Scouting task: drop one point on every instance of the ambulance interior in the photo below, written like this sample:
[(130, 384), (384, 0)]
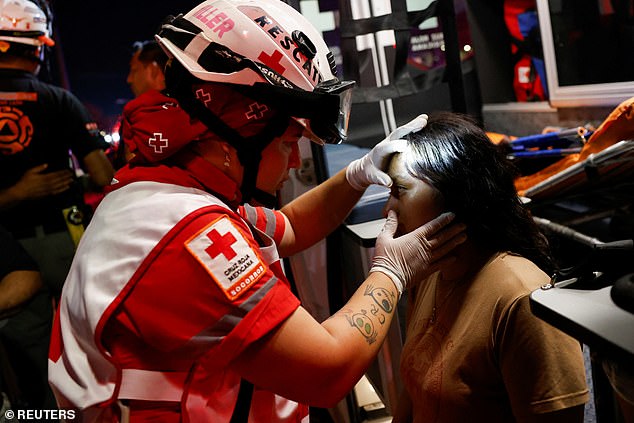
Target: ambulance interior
[(461, 56)]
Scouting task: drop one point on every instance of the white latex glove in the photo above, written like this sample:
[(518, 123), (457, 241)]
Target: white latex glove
[(416, 255), (370, 169)]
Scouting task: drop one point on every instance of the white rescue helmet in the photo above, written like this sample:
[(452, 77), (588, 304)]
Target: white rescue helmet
[(267, 48), (24, 22)]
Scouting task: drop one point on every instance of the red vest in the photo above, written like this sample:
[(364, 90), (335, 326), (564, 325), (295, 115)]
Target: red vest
[(167, 287)]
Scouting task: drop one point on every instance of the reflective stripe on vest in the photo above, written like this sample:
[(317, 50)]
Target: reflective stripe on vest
[(152, 386)]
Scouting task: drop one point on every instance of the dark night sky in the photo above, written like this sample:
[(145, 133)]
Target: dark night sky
[(95, 38)]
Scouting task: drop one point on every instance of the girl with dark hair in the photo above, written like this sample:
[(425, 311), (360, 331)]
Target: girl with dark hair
[(474, 351)]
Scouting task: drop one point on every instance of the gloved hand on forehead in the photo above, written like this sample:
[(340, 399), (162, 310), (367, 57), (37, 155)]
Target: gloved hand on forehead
[(370, 169)]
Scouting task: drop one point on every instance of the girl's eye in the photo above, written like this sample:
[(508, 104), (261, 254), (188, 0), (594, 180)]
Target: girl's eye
[(397, 190)]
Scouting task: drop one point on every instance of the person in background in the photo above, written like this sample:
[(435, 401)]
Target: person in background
[(473, 349), (147, 67), (176, 307), (25, 326), (41, 200)]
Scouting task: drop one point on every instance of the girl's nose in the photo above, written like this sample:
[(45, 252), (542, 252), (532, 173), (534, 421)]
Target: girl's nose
[(389, 205)]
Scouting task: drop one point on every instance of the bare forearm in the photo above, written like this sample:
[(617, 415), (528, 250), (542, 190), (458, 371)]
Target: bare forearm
[(16, 289), (361, 326), (319, 364), (8, 198), (318, 212), (99, 168)]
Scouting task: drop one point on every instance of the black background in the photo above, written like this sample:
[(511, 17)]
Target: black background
[(93, 50)]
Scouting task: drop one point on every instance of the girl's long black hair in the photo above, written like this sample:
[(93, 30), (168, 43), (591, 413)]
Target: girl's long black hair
[(453, 154)]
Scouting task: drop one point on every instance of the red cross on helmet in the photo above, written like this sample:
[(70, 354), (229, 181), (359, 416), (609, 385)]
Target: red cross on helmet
[(24, 22), (271, 52)]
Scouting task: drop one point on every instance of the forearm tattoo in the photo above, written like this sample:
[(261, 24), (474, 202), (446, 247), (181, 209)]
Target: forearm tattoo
[(366, 321), (384, 298)]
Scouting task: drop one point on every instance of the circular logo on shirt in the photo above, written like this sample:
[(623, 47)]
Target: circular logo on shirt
[(16, 130)]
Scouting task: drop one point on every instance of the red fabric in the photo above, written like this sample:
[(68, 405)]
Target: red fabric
[(280, 227), (240, 112), (175, 315), (269, 221), (197, 306), (56, 346), (193, 172), (92, 199), (527, 83), (155, 127), (512, 8)]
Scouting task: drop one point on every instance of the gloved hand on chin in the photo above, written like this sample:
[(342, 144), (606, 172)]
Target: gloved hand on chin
[(370, 169), (411, 257)]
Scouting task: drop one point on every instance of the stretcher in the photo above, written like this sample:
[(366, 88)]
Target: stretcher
[(552, 140), (607, 153), (591, 316), (593, 300), (584, 203), (612, 165), (590, 192)]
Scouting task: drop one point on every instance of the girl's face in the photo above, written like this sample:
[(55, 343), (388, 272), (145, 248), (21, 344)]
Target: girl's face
[(414, 201)]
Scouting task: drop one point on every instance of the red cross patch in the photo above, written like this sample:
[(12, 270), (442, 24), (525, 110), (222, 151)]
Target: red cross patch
[(256, 111), (203, 96), (158, 142), (221, 249)]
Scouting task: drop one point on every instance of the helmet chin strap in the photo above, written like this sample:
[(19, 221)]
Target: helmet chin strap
[(250, 155), (249, 149), (265, 199)]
